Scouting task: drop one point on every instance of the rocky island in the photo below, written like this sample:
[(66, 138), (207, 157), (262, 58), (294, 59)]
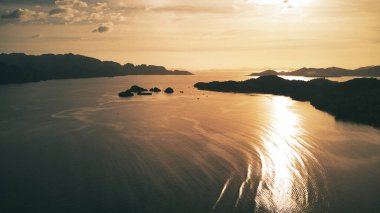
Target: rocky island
[(356, 100)]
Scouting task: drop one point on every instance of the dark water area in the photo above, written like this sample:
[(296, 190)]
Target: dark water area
[(75, 146)]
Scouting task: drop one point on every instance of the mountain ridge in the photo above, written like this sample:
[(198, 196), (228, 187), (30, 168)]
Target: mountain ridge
[(369, 71), (22, 68)]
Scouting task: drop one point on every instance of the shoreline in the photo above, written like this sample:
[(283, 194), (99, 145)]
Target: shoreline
[(355, 100)]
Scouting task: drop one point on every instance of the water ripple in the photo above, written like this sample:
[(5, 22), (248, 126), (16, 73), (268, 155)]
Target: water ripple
[(286, 182)]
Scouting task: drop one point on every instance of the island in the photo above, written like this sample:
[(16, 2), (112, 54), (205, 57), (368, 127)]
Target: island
[(22, 68), (356, 100), (125, 94), (369, 71), (137, 89)]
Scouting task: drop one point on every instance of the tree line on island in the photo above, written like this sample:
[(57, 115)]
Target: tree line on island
[(21, 68), (356, 100)]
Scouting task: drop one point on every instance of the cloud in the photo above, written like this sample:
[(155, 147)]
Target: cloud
[(76, 11), (15, 14), (23, 15), (104, 28), (102, 11), (69, 11), (71, 3), (57, 11), (64, 15), (100, 5), (35, 36)]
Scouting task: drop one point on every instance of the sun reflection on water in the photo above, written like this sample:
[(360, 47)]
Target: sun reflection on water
[(284, 177)]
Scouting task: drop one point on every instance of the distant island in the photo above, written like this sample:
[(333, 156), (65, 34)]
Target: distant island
[(370, 71), (21, 68), (357, 100)]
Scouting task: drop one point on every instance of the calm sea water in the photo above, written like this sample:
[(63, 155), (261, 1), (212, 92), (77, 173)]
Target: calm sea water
[(75, 146)]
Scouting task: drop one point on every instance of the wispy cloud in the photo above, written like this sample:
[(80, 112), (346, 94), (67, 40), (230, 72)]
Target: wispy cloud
[(35, 36)]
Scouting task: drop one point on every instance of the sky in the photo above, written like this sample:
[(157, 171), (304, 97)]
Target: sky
[(198, 34)]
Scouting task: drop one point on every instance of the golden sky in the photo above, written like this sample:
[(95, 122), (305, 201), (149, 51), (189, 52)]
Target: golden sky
[(198, 34)]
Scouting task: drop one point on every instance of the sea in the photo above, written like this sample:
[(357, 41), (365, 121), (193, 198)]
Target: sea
[(75, 146)]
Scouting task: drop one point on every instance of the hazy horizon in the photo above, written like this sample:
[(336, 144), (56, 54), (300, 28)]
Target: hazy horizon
[(198, 35)]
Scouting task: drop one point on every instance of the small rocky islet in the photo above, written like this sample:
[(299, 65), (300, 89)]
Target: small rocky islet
[(155, 89), (142, 91), (169, 90)]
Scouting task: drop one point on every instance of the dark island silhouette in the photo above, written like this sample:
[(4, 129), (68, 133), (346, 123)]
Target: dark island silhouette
[(22, 68), (125, 94), (370, 71), (155, 89), (357, 100)]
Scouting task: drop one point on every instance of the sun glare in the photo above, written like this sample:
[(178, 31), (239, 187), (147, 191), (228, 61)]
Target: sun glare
[(280, 3), (284, 178)]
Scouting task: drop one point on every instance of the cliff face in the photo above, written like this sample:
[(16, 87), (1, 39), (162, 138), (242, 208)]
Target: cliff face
[(355, 100), (19, 68)]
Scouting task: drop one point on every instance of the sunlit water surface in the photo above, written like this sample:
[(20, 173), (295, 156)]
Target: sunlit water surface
[(75, 146)]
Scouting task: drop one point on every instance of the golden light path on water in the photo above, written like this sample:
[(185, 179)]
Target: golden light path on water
[(285, 184), (281, 173)]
